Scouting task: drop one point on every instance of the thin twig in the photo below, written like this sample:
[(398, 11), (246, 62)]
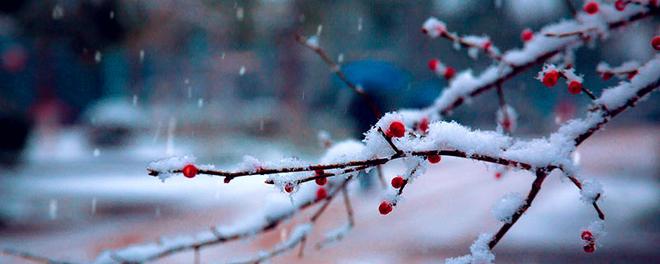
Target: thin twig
[(389, 141), (337, 70), (347, 205), (541, 174), (601, 214)]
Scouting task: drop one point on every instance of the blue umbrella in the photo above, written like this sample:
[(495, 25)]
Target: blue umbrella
[(373, 76)]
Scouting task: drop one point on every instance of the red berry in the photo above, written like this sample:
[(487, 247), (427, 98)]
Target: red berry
[(575, 87), (321, 194), (590, 247), (397, 182), (655, 42), (498, 175), (14, 59), (506, 124), (607, 75), (527, 35), (632, 74), (587, 236), (487, 45), (620, 5), (385, 207), (424, 125), (449, 72), (591, 8), (321, 181), (396, 129), (433, 64), (550, 78), (434, 158), (189, 171), (288, 187)]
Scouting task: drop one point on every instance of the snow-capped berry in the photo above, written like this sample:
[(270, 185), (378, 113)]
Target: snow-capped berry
[(424, 125), (434, 158), (587, 235), (434, 27), (321, 194), (397, 182), (189, 171), (550, 78), (434, 64), (575, 87), (620, 5), (591, 7), (396, 129), (589, 247), (526, 35), (288, 187), (449, 73), (385, 207), (321, 181), (655, 42)]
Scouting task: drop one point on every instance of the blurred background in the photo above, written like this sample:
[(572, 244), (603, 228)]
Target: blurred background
[(92, 90)]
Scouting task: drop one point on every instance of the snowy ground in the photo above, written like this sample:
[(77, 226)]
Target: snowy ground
[(72, 209)]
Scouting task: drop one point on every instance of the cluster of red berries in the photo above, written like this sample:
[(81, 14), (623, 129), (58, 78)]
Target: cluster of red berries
[(396, 129), (590, 243), (190, 171), (448, 72), (551, 77), (592, 7)]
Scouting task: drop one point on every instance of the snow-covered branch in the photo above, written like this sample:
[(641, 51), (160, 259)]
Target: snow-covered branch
[(540, 155), (419, 138), (535, 51)]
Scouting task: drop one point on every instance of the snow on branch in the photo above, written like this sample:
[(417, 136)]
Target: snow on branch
[(537, 50)]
